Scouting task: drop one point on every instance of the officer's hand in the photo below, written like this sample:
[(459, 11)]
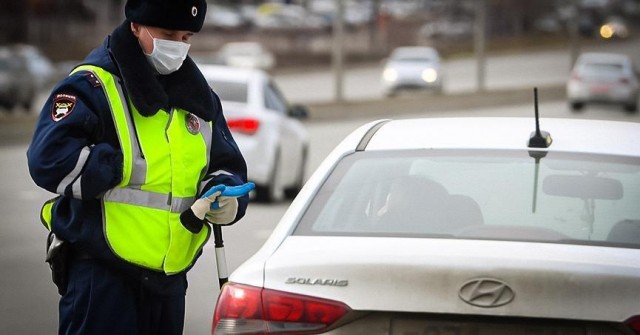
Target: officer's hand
[(193, 218), (201, 206), (223, 211), (226, 211)]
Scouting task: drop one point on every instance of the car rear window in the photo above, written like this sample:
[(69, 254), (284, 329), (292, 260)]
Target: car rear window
[(610, 69), (496, 195), (229, 90)]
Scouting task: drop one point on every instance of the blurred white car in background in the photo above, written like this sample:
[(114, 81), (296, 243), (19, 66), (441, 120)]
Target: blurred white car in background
[(40, 66), (24, 72), (274, 16), (246, 54), (454, 226), (603, 78), (412, 67), (267, 129), (225, 18), (16, 84)]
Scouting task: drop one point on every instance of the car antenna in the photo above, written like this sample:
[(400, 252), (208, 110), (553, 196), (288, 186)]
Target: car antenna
[(537, 139)]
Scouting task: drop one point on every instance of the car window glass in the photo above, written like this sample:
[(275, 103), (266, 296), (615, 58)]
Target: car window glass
[(602, 68), (578, 199), (230, 91), (13, 64), (274, 100), (39, 64), (414, 56), (5, 64), (413, 59)]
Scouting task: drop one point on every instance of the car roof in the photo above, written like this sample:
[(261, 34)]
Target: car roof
[(243, 45), (415, 50), (230, 73), (603, 57), (569, 135)]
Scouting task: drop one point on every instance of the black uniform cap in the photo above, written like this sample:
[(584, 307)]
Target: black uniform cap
[(168, 14)]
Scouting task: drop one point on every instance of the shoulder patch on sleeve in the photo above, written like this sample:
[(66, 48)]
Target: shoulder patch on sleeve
[(63, 105)]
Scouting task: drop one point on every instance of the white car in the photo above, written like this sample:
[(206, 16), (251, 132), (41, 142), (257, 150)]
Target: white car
[(454, 226), (246, 54), (268, 130), (224, 18), (412, 67), (603, 78), (24, 72)]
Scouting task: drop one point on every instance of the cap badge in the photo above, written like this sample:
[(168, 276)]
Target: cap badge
[(194, 11), (193, 124), (63, 105)]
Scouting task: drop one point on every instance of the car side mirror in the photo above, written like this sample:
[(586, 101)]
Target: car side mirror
[(298, 111)]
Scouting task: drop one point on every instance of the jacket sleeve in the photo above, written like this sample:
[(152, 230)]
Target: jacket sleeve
[(227, 165), (66, 155)]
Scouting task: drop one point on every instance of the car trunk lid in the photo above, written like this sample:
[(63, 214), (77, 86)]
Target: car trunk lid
[(473, 277)]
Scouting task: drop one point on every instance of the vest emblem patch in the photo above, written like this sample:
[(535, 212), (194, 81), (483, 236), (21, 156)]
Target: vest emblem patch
[(193, 124), (63, 105)]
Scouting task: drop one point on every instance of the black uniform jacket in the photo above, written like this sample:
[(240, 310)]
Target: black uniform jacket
[(77, 116)]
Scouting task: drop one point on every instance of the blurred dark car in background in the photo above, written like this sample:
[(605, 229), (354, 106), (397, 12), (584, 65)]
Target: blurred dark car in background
[(603, 78)]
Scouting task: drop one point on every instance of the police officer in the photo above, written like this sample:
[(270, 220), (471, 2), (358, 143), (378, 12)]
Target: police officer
[(128, 141)]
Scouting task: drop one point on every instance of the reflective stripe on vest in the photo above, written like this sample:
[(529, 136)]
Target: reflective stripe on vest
[(164, 158)]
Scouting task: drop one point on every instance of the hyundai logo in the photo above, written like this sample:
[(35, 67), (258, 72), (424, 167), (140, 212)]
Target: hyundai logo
[(486, 292)]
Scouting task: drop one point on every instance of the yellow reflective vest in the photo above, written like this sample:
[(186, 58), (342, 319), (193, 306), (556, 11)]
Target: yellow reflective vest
[(165, 157)]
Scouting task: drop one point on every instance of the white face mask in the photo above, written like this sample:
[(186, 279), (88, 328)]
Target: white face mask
[(167, 56)]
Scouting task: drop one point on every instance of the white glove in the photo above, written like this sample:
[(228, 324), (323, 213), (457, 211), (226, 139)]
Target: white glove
[(225, 213), (201, 206)]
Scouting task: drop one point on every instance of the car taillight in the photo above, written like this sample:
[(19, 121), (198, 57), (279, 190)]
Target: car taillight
[(246, 125), (243, 309), (634, 324)]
